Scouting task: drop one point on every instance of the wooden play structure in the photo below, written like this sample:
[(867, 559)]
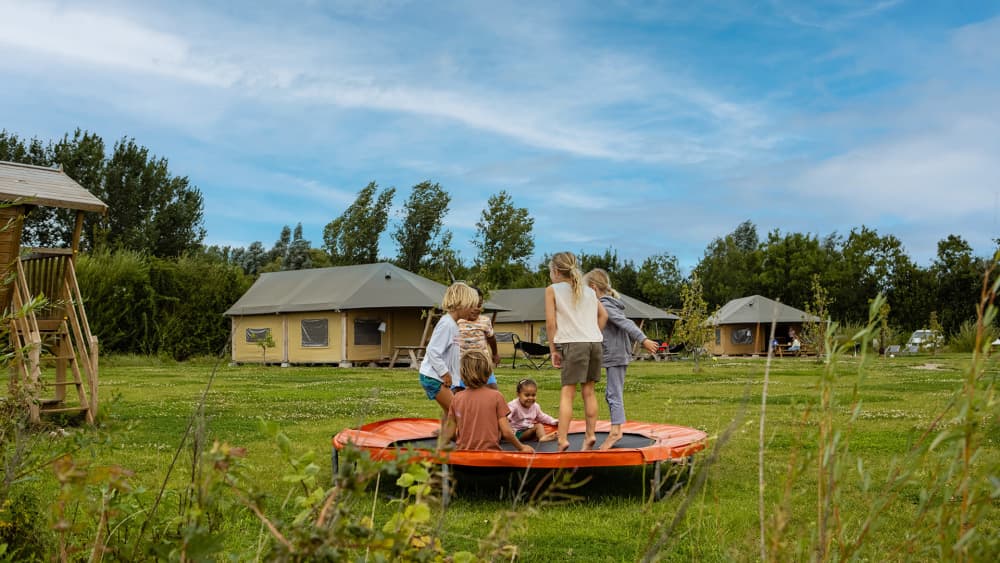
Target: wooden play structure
[(50, 342)]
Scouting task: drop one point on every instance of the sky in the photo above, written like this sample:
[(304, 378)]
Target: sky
[(646, 127)]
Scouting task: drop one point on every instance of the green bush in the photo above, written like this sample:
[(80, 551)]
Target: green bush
[(965, 339), (119, 299), (22, 525)]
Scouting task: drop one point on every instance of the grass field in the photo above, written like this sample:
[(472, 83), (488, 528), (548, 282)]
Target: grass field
[(147, 405)]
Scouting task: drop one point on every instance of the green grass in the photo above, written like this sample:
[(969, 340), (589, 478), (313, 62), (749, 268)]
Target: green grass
[(153, 401)]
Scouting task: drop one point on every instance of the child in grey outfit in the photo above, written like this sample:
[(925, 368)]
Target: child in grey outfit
[(619, 334)]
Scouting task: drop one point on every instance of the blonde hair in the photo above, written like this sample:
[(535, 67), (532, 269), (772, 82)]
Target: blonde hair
[(564, 263), (459, 296), (476, 368), (599, 280)]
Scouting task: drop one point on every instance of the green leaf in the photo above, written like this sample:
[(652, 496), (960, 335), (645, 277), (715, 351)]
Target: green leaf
[(418, 513), (405, 480)]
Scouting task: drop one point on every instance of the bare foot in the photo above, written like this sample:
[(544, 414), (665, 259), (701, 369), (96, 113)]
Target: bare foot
[(563, 446), (610, 441), (548, 437), (588, 443)]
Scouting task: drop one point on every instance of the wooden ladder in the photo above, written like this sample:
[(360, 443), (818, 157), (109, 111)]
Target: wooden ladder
[(64, 343)]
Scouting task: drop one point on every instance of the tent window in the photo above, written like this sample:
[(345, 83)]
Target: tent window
[(366, 332), (258, 335), (315, 333), (718, 336), (742, 336)]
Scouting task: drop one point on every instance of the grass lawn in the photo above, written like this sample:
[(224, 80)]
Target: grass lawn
[(147, 405)]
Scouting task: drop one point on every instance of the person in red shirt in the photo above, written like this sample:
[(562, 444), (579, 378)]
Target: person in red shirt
[(477, 417)]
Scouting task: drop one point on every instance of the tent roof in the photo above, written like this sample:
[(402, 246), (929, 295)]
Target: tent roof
[(758, 309), (40, 185), (529, 305), (365, 286)]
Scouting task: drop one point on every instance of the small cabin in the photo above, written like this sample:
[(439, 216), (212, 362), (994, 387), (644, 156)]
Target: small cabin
[(743, 326)]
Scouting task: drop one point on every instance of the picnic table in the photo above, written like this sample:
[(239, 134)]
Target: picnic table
[(416, 354)]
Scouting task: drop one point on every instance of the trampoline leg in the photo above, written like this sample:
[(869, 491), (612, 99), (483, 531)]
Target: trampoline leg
[(334, 465), (445, 485), (655, 493)]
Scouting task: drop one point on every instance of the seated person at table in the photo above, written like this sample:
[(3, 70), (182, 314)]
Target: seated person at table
[(477, 417), (795, 346)]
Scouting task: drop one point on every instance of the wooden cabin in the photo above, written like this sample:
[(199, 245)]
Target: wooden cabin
[(743, 326), (54, 338)]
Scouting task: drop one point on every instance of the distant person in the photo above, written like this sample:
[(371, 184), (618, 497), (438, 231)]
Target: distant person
[(775, 346), (478, 334), (477, 418), (442, 360), (619, 334), (526, 417), (795, 346), (573, 321)]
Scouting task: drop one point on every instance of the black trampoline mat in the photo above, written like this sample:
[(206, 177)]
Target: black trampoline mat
[(628, 441)]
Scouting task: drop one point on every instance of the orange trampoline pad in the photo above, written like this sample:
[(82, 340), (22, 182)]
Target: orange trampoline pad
[(642, 443)]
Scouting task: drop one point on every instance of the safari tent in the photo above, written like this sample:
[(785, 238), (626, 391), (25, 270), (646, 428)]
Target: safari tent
[(526, 314), (342, 315), (742, 326), (55, 359)]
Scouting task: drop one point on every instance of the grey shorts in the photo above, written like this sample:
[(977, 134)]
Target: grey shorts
[(581, 362)]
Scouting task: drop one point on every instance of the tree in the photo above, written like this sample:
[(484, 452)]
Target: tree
[(297, 257), (731, 265), (352, 238), (150, 210), (788, 262), (870, 264), (660, 281), (959, 279), (693, 330), (420, 234), (504, 240), (817, 325)]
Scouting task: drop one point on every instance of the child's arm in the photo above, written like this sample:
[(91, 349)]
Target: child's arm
[(618, 318), (508, 435), (439, 342), (544, 418), (492, 341), (550, 326), (602, 316)]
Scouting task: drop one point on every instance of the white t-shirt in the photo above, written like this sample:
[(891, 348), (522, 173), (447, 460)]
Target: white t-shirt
[(576, 321)]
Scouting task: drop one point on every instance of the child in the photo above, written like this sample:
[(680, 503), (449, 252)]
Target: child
[(573, 320), (479, 414), (526, 417), (478, 335), (619, 333), (442, 360)]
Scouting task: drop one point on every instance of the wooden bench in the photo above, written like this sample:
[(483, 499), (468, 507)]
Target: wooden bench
[(416, 354)]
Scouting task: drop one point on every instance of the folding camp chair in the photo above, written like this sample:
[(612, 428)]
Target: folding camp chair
[(533, 353)]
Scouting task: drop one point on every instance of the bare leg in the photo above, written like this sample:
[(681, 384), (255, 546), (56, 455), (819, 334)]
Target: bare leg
[(613, 437), (443, 399), (566, 396), (529, 434), (590, 414)]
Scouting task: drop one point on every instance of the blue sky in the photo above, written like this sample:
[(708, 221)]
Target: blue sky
[(647, 127)]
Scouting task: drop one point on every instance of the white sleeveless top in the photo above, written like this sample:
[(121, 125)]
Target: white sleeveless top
[(576, 322)]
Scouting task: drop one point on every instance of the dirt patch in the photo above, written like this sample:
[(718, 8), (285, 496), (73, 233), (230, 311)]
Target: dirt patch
[(928, 366)]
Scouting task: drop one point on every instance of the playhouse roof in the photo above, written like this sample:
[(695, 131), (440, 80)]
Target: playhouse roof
[(41, 185), (758, 309), (364, 286), (528, 305)]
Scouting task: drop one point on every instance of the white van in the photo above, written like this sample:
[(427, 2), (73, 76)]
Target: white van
[(925, 338)]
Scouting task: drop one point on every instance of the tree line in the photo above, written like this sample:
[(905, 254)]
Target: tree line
[(156, 288)]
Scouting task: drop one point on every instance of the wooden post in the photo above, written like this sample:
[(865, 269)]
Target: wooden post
[(94, 384), (427, 327)]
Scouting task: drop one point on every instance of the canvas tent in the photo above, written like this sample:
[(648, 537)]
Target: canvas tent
[(341, 315), (526, 312), (743, 325)]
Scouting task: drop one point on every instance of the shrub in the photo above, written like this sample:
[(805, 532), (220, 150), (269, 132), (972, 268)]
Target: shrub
[(965, 339)]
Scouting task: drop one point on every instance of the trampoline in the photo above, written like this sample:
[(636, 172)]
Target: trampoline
[(642, 443)]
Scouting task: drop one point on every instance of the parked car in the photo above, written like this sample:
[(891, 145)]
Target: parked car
[(925, 338)]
